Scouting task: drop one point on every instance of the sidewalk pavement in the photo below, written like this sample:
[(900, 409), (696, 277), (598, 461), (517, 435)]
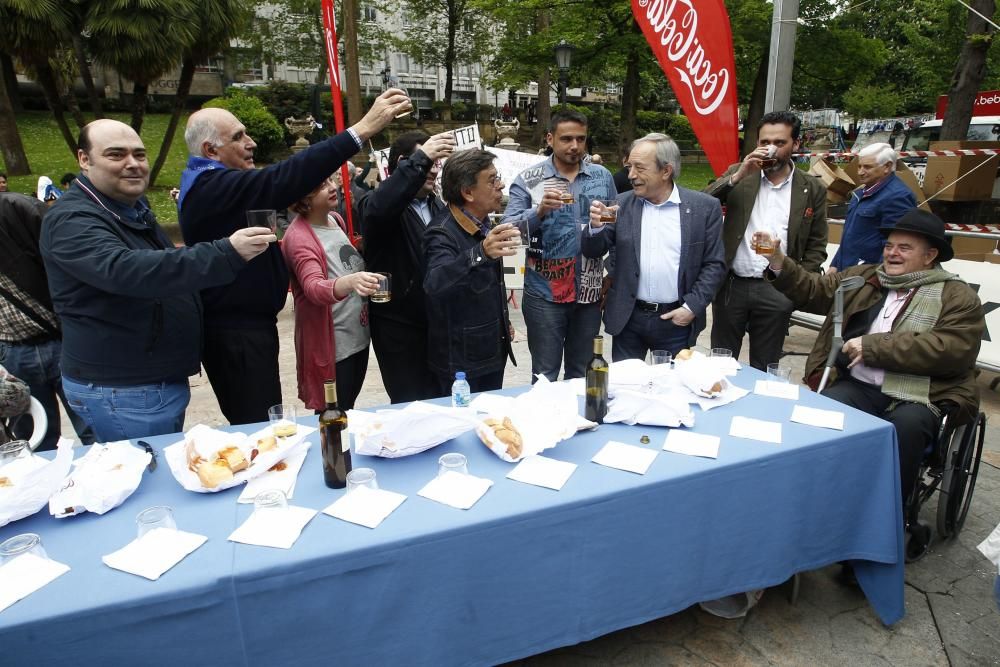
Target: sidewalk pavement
[(951, 618)]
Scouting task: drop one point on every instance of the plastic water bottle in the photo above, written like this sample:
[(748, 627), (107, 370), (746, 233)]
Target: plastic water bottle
[(461, 393)]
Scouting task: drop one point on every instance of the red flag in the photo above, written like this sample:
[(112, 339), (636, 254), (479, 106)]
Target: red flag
[(693, 43), (330, 40)]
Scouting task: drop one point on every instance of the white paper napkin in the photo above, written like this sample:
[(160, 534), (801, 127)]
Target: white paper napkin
[(625, 457), (365, 507), (24, 575), (755, 429), (692, 444), (456, 489), (816, 417), (777, 389), (283, 480), (277, 528), (155, 552), (542, 471)]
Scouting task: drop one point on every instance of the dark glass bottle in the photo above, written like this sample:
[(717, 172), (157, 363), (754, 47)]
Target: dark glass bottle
[(332, 424), (597, 384)]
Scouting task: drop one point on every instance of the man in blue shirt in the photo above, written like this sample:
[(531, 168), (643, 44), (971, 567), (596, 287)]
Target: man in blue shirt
[(562, 289), (880, 201)]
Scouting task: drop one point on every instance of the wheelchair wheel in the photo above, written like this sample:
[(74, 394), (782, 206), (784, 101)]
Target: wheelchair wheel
[(959, 477)]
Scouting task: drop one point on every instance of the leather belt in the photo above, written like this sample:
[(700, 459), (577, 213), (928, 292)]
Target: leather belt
[(660, 308), (733, 275)]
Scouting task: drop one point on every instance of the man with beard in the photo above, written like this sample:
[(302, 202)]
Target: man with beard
[(393, 219), (765, 193), (562, 288)]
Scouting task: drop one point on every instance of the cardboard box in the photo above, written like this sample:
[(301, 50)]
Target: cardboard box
[(833, 177), (910, 179), (962, 178)]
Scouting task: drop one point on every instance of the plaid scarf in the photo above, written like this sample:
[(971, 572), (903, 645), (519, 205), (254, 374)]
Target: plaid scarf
[(921, 314)]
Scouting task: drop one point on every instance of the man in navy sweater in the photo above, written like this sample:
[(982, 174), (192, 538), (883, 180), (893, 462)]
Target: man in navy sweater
[(219, 186)]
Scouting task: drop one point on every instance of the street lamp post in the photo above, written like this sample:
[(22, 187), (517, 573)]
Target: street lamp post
[(386, 74), (564, 55)]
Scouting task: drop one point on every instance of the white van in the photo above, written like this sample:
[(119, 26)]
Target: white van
[(982, 128)]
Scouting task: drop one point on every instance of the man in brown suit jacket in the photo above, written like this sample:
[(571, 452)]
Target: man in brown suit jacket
[(765, 192)]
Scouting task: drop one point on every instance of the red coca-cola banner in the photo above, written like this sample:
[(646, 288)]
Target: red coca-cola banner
[(693, 43), (330, 41)]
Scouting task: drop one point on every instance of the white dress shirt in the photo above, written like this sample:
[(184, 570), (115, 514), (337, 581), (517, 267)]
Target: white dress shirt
[(769, 214), (894, 301), (660, 250)]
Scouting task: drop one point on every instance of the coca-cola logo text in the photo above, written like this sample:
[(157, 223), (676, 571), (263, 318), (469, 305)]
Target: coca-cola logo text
[(676, 23)]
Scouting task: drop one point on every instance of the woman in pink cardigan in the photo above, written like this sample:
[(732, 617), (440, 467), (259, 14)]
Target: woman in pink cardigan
[(331, 290)]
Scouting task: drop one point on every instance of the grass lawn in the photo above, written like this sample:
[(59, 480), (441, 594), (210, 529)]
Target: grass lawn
[(49, 156)]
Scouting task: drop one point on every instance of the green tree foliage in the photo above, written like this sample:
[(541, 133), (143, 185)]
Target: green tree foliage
[(260, 123), (142, 40)]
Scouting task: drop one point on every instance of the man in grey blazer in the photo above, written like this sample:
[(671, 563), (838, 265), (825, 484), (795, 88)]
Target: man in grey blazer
[(668, 258)]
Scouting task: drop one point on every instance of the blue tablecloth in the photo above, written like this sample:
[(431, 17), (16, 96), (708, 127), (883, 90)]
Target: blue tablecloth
[(527, 569)]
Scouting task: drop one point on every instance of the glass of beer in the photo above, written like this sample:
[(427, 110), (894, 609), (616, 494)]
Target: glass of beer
[(405, 113), (566, 196), (770, 160), (609, 214), (763, 243), (282, 418), (383, 293)]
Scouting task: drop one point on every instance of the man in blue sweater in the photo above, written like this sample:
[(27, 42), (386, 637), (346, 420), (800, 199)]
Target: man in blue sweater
[(127, 298), (219, 186)]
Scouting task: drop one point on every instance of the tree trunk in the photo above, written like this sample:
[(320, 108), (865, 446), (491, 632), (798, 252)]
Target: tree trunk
[(543, 112), (47, 80), (9, 76), (180, 101), (88, 79), (454, 19), (139, 91), (969, 72), (755, 111), (70, 102), (352, 73), (630, 99), (14, 157)]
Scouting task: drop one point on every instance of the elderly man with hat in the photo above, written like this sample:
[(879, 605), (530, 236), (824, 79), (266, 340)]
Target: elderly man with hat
[(912, 333)]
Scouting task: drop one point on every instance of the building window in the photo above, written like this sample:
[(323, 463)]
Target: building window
[(368, 13), (212, 64)]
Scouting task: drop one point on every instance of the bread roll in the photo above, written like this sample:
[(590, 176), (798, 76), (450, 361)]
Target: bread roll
[(233, 456), (716, 388), (684, 355), (5, 481), (267, 443), (213, 473), (508, 435)]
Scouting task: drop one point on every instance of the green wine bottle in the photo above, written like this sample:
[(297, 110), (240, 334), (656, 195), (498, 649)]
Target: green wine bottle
[(332, 424), (597, 384)]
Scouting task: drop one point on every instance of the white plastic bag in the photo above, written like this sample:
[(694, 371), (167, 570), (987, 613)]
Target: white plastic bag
[(101, 480)]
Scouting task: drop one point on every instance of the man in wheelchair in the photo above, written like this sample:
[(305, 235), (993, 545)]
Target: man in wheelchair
[(911, 334)]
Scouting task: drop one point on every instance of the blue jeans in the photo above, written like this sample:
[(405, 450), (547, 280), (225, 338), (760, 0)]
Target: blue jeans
[(645, 331), (558, 328), (125, 413), (38, 366)]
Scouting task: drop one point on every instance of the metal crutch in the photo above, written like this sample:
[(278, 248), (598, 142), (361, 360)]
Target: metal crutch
[(846, 285)]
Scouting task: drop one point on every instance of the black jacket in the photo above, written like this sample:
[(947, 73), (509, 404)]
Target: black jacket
[(466, 300), (20, 259), (394, 239), (215, 206), (127, 298)]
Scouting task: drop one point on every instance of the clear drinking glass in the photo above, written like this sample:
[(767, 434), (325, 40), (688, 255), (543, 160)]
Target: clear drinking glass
[(160, 516), (21, 544), (263, 218), (12, 450), (282, 418), (272, 499), (778, 373), (361, 477), (453, 462), (609, 214), (383, 294), (721, 353), (661, 357), (405, 113)]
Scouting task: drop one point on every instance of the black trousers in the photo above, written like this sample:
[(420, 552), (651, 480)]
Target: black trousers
[(350, 377), (488, 382), (916, 426), (743, 304), (242, 365), (401, 350)]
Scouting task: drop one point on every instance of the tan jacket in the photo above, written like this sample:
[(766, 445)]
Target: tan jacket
[(807, 227), (947, 353)]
